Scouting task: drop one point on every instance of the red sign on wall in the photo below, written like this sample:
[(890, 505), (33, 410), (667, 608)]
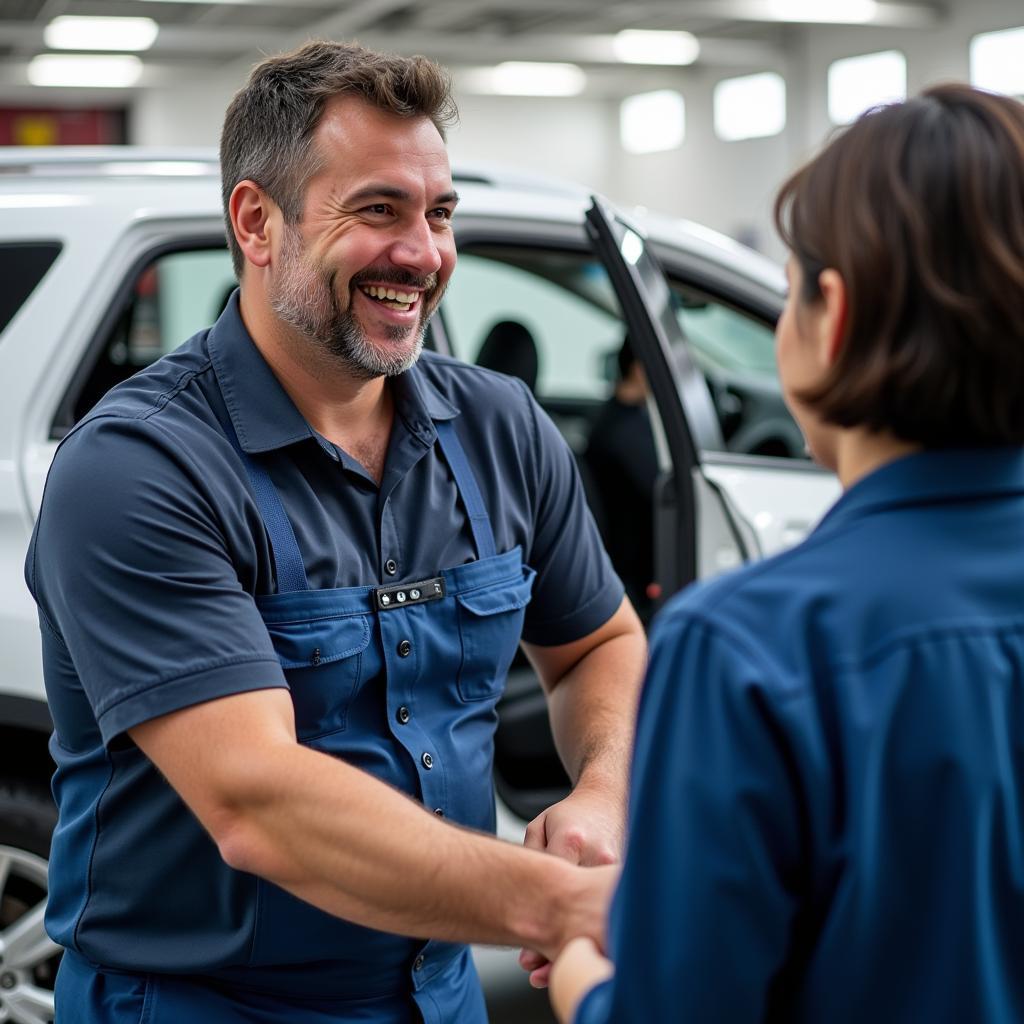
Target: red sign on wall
[(39, 126)]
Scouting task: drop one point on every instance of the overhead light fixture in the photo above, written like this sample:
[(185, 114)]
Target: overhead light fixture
[(652, 122), (856, 84), (85, 70), (526, 78), (750, 107), (640, 46), (69, 32), (997, 61), (839, 12)]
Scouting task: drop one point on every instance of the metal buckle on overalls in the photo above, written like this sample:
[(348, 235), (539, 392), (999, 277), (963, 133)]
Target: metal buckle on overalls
[(389, 598)]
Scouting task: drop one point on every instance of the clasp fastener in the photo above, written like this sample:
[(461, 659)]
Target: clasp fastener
[(405, 594)]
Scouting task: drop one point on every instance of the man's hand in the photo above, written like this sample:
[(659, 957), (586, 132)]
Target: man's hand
[(585, 828)]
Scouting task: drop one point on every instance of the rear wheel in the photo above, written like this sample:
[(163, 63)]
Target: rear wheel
[(28, 957)]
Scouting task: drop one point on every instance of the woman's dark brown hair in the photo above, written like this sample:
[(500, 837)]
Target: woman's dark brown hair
[(920, 208)]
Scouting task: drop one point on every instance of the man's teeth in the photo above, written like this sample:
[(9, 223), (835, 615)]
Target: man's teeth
[(400, 299)]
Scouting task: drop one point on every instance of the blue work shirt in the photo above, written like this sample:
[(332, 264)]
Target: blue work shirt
[(151, 565), (826, 819)]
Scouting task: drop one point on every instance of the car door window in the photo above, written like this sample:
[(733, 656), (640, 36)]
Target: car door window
[(736, 353), (552, 318), (170, 297), (506, 302)]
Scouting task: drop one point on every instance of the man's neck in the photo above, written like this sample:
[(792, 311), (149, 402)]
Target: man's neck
[(353, 413)]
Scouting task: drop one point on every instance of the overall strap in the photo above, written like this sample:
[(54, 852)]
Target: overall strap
[(479, 521), (284, 549)]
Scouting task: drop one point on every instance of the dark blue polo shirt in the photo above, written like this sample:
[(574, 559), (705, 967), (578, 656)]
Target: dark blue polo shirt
[(827, 821), (149, 549)]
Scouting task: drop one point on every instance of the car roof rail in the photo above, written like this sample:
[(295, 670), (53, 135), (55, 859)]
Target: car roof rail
[(106, 161)]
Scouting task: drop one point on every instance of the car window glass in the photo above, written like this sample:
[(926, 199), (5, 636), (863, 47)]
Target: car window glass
[(22, 266), (564, 302), (175, 295), (552, 318), (736, 353)]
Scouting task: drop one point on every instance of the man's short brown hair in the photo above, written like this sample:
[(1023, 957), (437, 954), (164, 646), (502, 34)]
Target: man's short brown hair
[(920, 208), (269, 125)]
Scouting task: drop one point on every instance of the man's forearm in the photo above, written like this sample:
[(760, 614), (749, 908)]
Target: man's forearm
[(346, 842), (593, 713)]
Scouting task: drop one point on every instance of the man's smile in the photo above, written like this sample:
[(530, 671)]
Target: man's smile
[(391, 297)]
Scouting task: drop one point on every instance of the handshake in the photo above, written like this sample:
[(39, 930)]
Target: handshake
[(572, 960)]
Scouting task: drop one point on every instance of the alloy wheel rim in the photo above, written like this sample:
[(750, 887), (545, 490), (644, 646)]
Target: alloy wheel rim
[(28, 956)]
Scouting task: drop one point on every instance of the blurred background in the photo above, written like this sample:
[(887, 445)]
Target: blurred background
[(695, 108)]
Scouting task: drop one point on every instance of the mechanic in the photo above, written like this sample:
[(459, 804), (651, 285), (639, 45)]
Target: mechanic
[(281, 575), (826, 821)]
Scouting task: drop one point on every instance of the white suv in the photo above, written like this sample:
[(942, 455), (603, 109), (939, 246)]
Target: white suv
[(110, 258)]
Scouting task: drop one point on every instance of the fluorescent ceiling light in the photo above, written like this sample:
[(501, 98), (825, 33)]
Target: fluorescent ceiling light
[(997, 61), (858, 83), (841, 12), (750, 107), (526, 78), (81, 33), (85, 70), (638, 46), (652, 122)]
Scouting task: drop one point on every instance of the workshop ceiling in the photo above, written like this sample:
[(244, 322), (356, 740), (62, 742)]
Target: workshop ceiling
[(196, 36)]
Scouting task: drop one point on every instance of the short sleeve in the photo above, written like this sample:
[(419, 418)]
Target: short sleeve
[(135, 574), (576, 590), (701, 920)]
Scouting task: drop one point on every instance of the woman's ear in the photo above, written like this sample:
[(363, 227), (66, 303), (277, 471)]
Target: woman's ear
[(832, 323), (251, 211)]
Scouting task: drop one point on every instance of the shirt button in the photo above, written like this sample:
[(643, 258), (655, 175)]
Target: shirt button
[(428, 761), (403, 715), (391, 567), (417, 964), (439, 812), (404, 649)]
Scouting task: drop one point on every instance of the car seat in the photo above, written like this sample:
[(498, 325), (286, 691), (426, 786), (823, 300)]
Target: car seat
[(510, 348)]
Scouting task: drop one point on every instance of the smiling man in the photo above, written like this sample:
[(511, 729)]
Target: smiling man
[(281, 575)]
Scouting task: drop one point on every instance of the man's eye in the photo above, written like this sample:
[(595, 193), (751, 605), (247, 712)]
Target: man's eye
[(381, 209), (442, 213)]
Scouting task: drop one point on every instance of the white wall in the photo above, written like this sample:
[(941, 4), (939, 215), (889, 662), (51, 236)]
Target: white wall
[(935, 55), (564, 138), (188, 114), (725, 185)]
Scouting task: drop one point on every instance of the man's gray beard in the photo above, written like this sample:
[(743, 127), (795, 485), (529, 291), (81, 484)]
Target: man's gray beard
[(304, 298)]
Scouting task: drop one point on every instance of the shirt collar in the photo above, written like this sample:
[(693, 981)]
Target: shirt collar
[(263, 414), (930, 478)]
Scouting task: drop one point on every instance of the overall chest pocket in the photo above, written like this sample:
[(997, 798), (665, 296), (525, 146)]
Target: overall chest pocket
[(322, 661), (490, 623)]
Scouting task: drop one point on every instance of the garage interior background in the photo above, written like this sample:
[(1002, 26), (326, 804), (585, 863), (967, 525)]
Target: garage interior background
[(203, 49)]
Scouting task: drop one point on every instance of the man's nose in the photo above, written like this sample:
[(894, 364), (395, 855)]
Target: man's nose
[(417, 249)]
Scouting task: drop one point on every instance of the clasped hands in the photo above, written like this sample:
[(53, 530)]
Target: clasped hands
[(586, 828)]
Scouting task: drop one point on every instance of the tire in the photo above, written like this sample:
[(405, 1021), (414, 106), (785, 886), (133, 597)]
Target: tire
[(27, 819)]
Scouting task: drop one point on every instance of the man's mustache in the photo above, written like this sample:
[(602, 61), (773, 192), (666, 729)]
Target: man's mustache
[(394, 275)]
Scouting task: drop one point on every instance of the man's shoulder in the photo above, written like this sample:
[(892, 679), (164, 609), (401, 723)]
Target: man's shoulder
[(474, 389), (162, 397)]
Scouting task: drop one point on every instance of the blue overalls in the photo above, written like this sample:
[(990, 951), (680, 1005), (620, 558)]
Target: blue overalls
[(400, 681)]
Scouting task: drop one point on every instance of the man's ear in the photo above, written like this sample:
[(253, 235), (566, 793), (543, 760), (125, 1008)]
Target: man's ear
[(252, 212), (832, 323)]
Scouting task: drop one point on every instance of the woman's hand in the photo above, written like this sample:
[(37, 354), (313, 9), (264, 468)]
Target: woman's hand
[(576, 970)]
